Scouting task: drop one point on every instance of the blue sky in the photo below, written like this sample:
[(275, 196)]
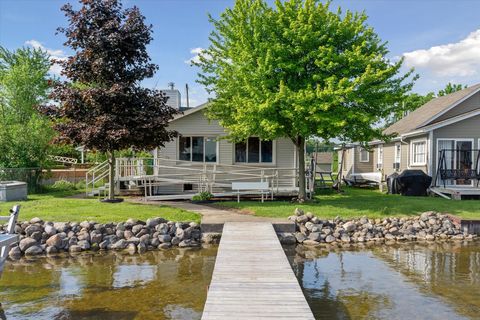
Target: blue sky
[(441, 39)]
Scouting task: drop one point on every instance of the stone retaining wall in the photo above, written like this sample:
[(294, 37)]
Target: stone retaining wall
[(135, 236), (39, 237), (429, 226)]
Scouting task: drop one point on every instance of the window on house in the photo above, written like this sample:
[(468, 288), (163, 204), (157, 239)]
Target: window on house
[(380, 154), (419, 153), (254, 151), (398, 152), (364, 155), (198, 149)]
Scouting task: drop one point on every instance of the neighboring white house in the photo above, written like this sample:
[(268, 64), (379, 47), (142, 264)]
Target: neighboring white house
[(201, 159)]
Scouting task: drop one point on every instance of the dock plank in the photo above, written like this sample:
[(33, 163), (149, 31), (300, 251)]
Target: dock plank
[(252, 278)]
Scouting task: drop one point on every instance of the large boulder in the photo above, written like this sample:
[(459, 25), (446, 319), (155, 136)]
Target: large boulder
[(50, 230), (27, 243), (350, 226), (34, 250), (55, 241)]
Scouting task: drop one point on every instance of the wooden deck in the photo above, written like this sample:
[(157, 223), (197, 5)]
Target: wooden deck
[(5, 241), (456, 192), (252, 278)]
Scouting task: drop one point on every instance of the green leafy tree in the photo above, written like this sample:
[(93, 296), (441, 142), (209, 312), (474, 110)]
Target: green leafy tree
[(414, 101), (451, 88), (25, 134), (296, 70), (410, 102), (102, 106)]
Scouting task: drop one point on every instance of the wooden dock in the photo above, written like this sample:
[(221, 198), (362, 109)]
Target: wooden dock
[(252, 278)]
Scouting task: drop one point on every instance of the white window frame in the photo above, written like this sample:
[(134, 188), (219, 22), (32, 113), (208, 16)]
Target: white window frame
[(191, 153), (259, 163), (412, 152), (398, 153), (380, 154), (360, 155)]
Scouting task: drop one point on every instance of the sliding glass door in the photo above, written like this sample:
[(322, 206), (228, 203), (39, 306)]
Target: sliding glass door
[(457, 156), (463, 159)]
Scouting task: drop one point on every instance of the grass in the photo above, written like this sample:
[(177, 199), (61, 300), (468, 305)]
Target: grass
[(355, 202), (57, 206)]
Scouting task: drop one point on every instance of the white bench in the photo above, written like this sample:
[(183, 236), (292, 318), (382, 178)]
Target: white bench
[(8, 238), (260, 187)]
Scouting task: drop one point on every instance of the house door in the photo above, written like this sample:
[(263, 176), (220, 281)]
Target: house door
[(458, 156), (463, 159)]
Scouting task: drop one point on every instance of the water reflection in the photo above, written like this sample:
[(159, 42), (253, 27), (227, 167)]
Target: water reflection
[(411, 281), (157, 285)]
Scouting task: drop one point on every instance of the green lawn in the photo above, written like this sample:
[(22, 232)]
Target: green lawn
[(355, 202), (55, 206)]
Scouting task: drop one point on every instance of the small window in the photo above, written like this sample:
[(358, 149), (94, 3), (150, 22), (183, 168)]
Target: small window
[(380, 154), (185, 146), (210, 149), (253, 147), (364, 155), (254, 151), (419, 153), (198, 149), (398, 152), (267, 151)]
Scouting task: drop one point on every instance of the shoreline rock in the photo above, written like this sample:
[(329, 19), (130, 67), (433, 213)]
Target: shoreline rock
[(429, 226), (37, 237)]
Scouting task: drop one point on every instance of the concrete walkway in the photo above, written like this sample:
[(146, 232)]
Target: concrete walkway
[(211, 214), (213, 218)]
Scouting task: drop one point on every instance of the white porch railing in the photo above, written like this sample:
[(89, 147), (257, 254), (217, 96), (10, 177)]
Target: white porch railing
[(96, 179), (212, 177), (154, 174)]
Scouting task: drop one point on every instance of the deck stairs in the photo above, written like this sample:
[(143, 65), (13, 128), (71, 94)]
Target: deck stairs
[(9, 237), (97, 180)]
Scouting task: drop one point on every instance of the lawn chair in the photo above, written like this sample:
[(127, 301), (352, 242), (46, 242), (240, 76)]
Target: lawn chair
[(9, 237)]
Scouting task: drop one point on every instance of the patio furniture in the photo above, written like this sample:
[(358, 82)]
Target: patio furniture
[(9, 237), (260, 187)]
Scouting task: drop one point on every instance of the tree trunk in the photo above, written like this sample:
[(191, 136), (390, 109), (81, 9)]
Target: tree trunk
[(338, 185), (302, 194), (111, 175)]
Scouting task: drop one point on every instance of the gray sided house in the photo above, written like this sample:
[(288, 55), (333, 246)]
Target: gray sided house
[(202, 159), (441, 138)]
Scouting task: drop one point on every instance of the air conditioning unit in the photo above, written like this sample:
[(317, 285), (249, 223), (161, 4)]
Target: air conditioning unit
[(396, 165)]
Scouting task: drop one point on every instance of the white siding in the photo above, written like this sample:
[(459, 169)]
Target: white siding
[(196, 124)]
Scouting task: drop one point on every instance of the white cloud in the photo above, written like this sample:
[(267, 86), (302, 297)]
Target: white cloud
[(196, 52), (55, 69), (459, 59)]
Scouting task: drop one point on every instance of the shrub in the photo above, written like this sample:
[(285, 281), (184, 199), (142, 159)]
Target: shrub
[(63, 185), (202, 196)]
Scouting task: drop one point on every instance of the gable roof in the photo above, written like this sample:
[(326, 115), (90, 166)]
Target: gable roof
[(430, 111), (190, 111)]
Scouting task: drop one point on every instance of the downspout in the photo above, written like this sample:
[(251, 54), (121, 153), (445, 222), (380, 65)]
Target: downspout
[(430, 153), (354, 150), (408, 151)]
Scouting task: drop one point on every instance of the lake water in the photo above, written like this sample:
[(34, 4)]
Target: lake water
[(410, 281), (169, 284)]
